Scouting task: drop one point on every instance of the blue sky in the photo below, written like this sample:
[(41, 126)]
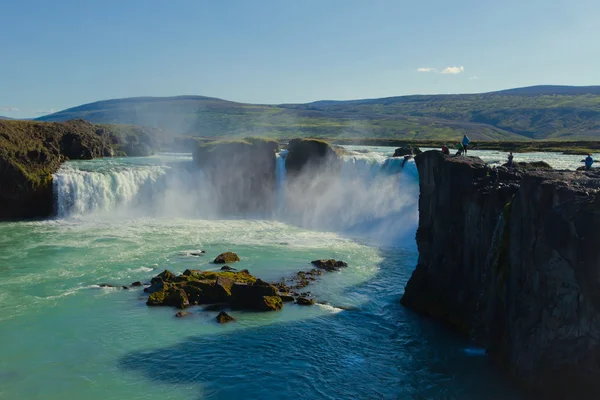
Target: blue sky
[(60, 54)]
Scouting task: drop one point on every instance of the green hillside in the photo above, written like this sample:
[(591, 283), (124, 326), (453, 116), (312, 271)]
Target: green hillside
[(541, 112)]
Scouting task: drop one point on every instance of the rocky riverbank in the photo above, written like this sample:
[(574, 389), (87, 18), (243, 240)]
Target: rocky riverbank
[(510, 258), (30, 152)]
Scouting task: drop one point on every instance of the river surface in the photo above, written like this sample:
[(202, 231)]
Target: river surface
[(124, 220)]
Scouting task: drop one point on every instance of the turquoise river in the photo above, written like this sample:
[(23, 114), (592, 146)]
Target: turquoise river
[(123, 220)]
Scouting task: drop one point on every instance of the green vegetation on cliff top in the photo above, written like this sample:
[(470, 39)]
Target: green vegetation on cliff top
[(546, 112)]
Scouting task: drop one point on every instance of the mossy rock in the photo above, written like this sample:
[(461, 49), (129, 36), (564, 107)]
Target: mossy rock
[(226, 258), (165, 276), (223, 318), (271, 303), (329, 265), (305, 301)]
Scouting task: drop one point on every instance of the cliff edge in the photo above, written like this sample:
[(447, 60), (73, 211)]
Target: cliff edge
[(30, 152), (512, 259)]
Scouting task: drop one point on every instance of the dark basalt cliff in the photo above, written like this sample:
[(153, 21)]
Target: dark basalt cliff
[(241, 173), (30, 152), (512, 258)]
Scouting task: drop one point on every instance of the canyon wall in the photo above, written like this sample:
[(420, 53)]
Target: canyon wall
[(512, 259)]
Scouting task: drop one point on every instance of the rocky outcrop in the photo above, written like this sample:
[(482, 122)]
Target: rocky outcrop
[(510, 257), (223, 318), (329, 265), (406, 151), (226, 258), (30, 152), (310, 153), (239, 290), (241, 173)]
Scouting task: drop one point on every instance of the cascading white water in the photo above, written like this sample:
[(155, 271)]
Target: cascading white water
[(371, 194), (280, 177), (79, 192)]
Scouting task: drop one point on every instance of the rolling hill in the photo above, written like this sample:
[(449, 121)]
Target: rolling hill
[(537, 112)]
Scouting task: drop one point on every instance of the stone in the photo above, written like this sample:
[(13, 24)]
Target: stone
[(182, 314), (223, 318), (165, 276), (286, 298), (305, 301), (251, 296), (173, 297), (271, 303), (226, 258), (329, 265), (157, 286), (227, 268), (137, 283)]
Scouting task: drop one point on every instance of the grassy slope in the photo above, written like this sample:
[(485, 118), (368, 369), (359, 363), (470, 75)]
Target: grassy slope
[(519, 114)]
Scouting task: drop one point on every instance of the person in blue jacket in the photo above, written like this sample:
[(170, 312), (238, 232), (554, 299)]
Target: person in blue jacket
[(465, 144), (588, 162)]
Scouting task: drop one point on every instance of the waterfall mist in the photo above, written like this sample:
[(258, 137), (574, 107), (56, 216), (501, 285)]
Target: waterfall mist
[(371, 196)]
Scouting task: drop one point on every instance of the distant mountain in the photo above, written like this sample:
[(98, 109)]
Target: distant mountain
[(1, 117), (537, 112)]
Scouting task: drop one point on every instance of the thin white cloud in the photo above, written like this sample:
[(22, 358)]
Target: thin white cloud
[(422, 69), (474, 78), (453, 70), (10, 109)]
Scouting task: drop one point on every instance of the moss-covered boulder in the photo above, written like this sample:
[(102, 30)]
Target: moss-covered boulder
[(172, 296), (240, 174), (239, 289), (259, 295), (226, 258), (223, 318), (310, 153), (165, 276), (329, 265), (305, 301)]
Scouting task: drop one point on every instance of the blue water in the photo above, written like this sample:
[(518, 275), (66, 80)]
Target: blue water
[(63, 336)]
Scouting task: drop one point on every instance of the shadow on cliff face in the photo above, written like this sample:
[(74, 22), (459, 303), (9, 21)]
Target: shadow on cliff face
[(379, 350)]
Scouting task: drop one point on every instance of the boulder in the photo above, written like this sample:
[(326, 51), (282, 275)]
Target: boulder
[(259, 296), (227, 268), (305, 301), (226, 258), (287, 298), (165, 276), (329, 265), (173, 297), (182, 314), (223, 318), (137, 283)]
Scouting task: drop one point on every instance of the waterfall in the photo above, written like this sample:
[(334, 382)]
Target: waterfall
[(280, 177), (371, 193), (80, 192)]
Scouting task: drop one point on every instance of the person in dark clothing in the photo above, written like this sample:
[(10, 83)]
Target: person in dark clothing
[(509, 164), (445, 150), (588, 162)]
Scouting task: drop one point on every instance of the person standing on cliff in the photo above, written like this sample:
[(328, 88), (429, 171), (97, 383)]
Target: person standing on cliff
[(465, 144), (588, 162), (509, 164)]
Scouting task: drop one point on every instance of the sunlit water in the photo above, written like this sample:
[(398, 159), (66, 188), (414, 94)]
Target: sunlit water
[(64, 337)]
